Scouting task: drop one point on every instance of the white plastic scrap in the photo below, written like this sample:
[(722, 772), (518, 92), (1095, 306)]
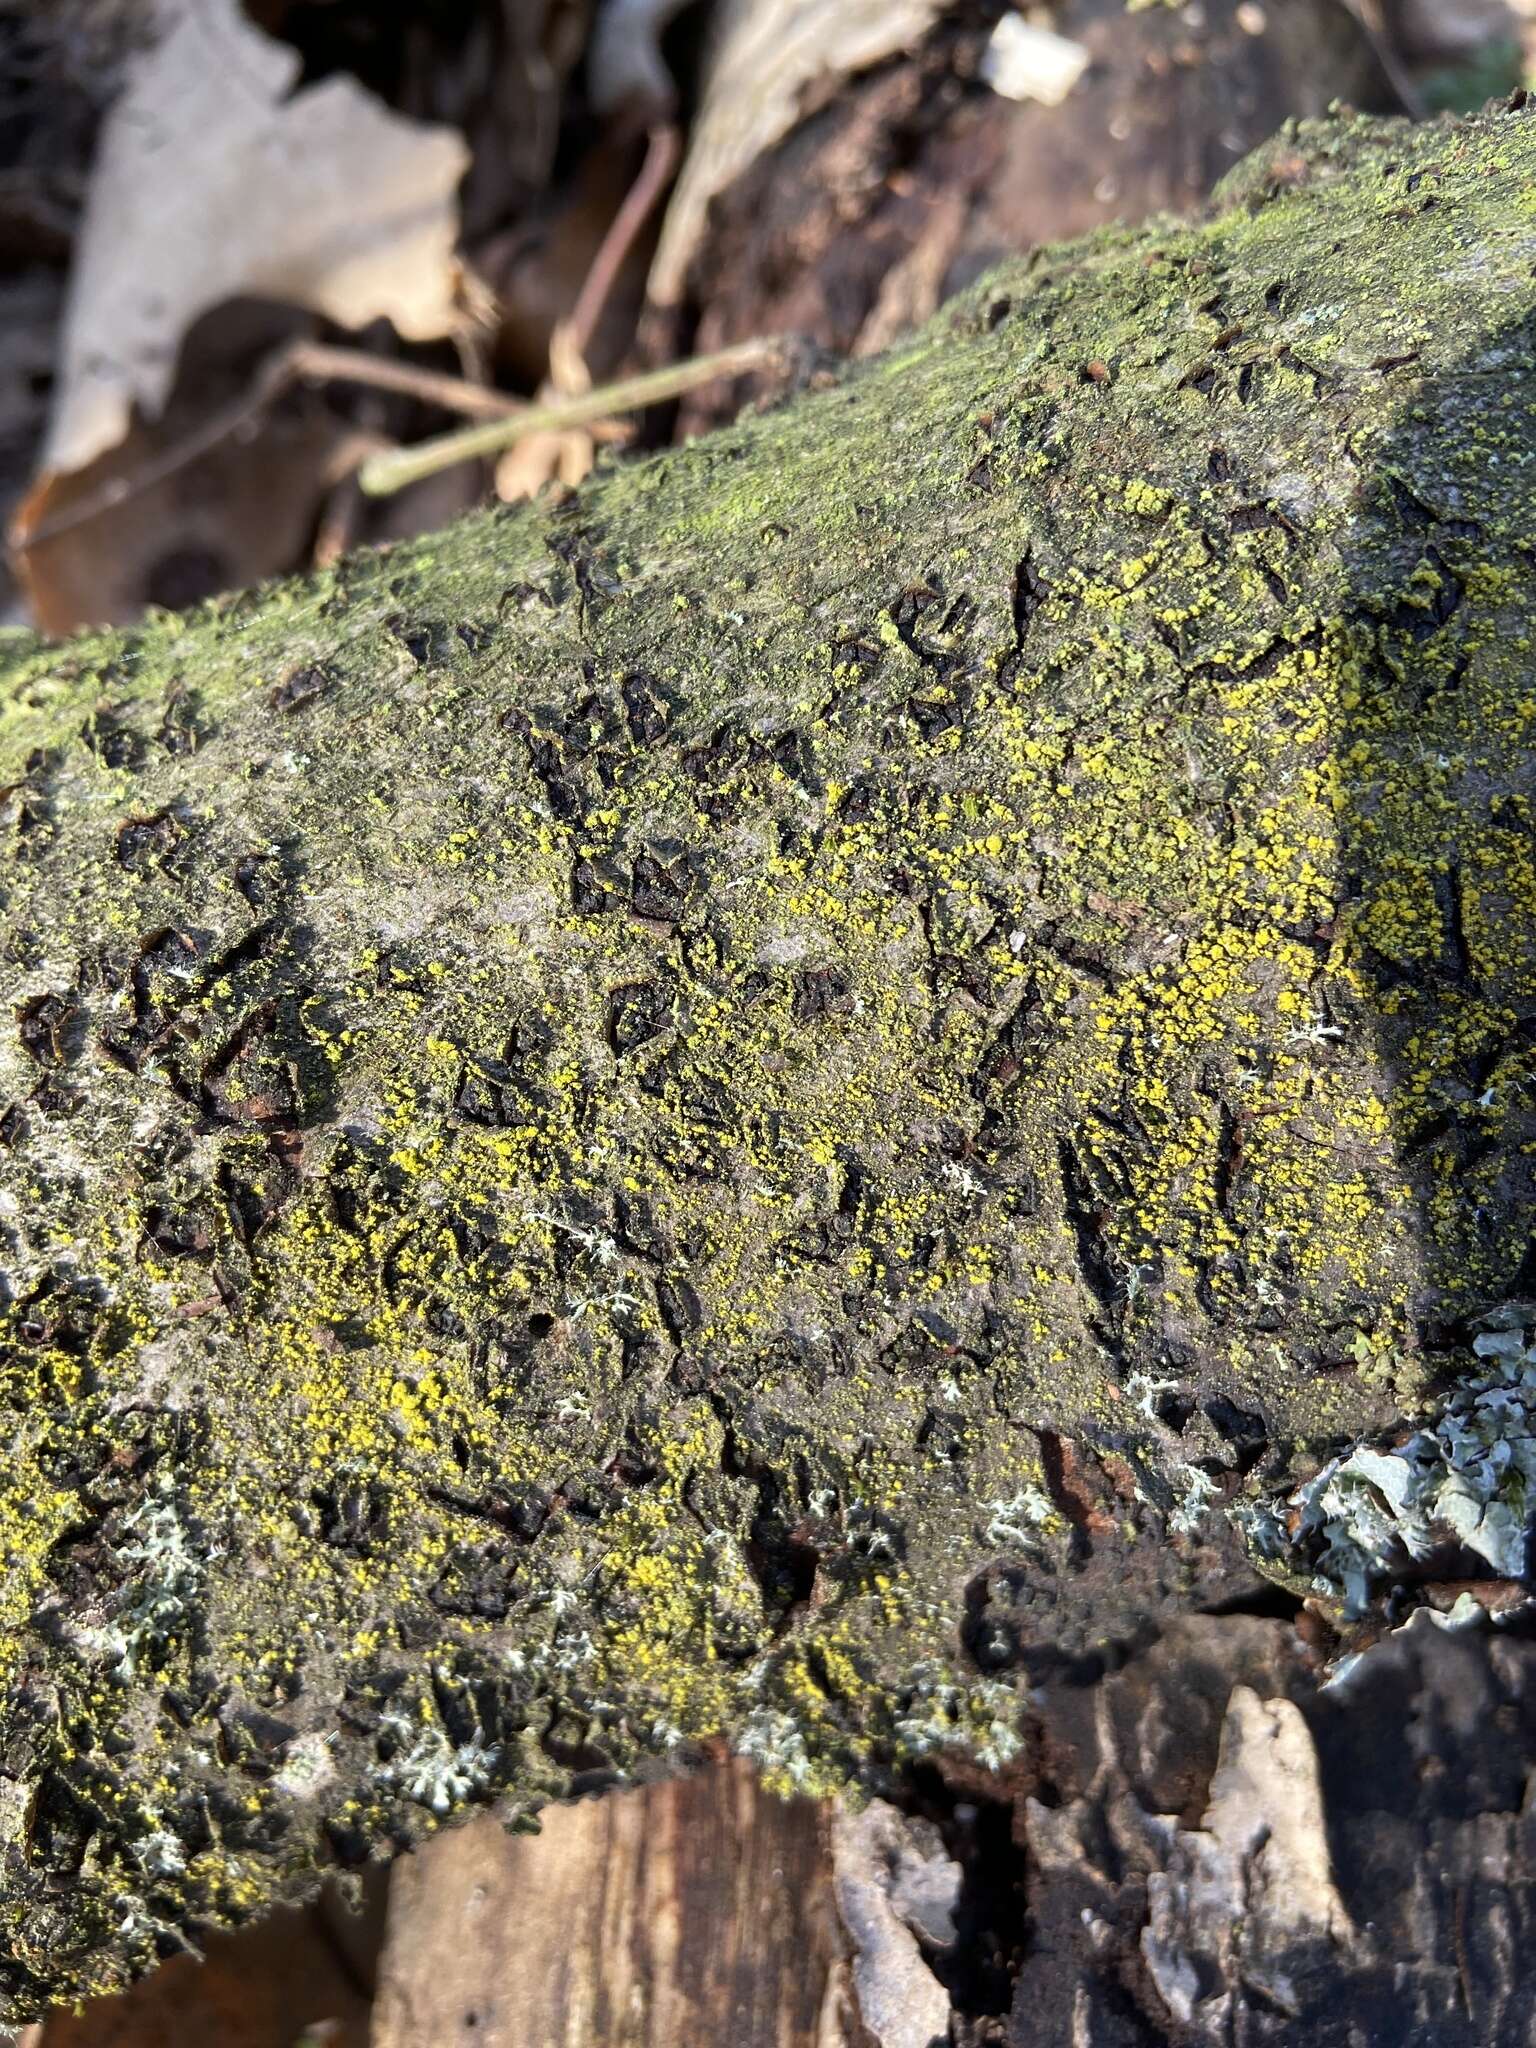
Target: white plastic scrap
[(1026, 62), (1469, 1475)]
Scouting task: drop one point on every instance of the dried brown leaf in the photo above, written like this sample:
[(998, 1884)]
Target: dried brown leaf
[(216, 180)]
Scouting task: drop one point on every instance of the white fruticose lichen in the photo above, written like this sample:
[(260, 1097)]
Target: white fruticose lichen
[(866, 1531), (996, 1711), (1317, 1030), (159, 1854), (572, 1650), (961, 1177), (1467, 1478), (166, 1573), (142, 1929), (437, 1773), (1145, 1392), (1018, 1521), (610, 1301), (1194, 1503), (599, 1245), (1132, 1284), (982, 1719), (775, 1744)]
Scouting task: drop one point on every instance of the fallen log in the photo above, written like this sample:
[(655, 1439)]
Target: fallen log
[(763, 1103)]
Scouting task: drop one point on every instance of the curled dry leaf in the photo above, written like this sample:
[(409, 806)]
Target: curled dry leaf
[(218, 190), (765, 56), (216, 180), (242, 512), (554, 455)]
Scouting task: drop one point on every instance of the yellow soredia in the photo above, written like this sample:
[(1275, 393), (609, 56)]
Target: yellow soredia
[(774, 1090)]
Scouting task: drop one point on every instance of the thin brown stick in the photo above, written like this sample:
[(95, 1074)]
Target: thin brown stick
[(433, 387), (382, 474), (286, 366), (663, 147)]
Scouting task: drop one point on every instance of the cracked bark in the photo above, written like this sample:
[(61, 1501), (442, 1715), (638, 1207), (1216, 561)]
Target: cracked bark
[(533, 1228)]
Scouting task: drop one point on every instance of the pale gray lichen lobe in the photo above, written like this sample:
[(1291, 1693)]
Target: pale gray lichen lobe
[(1463, 1482)]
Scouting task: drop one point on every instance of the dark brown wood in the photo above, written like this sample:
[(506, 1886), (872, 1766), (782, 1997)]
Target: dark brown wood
[(908, 181), (1218, 1850)]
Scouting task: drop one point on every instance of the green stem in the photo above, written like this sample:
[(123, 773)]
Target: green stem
[(381, 475)]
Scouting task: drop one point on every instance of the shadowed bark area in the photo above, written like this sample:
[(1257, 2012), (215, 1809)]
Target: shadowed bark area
[(907, 185), (747, 1106), (1216, 1850)]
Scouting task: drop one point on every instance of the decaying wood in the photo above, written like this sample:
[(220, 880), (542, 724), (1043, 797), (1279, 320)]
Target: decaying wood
[(697, 1910), (1215, 1850), (1207, 1846), (906, 182), (787, 1101)]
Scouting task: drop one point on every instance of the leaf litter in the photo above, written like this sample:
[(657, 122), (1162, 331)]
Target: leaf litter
[(504, 203)]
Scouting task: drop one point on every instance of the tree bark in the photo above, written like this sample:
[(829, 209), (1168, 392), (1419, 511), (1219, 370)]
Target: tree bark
[(745, 1106)]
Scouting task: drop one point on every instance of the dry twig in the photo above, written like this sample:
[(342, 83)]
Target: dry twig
[(384, 473), (291, 364)]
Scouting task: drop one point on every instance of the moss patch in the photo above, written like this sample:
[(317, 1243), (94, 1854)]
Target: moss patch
[(740, 1108)]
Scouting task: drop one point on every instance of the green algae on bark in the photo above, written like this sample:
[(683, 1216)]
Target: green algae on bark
[(746, 1106)]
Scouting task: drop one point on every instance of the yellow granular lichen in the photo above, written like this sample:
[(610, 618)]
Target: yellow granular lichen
[(636, 1163)]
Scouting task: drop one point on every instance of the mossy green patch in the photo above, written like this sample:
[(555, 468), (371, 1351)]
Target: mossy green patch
[(739, 1108)]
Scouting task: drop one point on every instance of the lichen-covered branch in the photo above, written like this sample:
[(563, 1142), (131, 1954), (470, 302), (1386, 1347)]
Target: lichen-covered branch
[(750, 1105)]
